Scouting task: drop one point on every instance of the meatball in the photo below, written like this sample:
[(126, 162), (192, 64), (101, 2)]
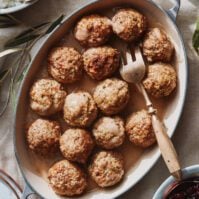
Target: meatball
[(111, 95), (47, 97), (139, 129), (76, 145), (161, 80), (157, 46), (101, 62), (43, 137), (67, 179), (107, 168), (65, 64), (80, 109), (129, 24), (109, 132), (93, 30)]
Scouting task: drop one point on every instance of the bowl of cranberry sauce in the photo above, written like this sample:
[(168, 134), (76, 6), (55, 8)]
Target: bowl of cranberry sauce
[(187, 188)]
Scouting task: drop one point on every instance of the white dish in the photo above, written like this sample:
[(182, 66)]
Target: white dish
[(16, 8), (172, 111)]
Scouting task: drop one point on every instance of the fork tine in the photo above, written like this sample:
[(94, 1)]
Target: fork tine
[(128, 57), (134, 70), (138, 55), (123, 61)]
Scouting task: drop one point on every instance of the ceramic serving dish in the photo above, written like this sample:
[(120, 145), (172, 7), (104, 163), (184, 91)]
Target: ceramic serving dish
[(188, 172), (138, 162), (16, 8)]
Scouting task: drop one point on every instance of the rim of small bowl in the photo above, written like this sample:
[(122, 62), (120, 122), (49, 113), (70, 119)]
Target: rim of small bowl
[(16, 8), (187, 172)]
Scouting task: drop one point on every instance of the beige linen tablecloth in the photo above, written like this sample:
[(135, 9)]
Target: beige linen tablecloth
[(186, 135)]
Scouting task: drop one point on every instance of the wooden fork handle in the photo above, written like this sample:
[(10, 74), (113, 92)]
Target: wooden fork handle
[(165, 145)]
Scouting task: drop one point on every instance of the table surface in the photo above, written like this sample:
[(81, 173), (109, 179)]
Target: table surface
[(186, 135)]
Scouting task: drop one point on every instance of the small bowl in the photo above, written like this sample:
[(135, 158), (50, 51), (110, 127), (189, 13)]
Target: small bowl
[(16, 8), (188, 172)]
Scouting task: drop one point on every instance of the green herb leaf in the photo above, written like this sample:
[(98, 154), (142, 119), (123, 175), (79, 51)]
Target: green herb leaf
[(3, 74), (18, 41), (195, 39), (9, 51), (6, 97), (31, 30), (54, 24), (22, 75), (7, 21)]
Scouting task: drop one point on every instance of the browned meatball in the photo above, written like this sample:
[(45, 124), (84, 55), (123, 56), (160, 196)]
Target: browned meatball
[(161, 80), (111, 95), (157, 46), (139, 129), (107, 168), (76, 145), (93, 30), (80, 109), (129, 24), (67, 179), (101, 62), (47, 97), (65, 64), (43, 137), (109, 132)]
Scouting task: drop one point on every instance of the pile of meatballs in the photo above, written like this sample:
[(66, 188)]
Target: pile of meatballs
[(93, 118)]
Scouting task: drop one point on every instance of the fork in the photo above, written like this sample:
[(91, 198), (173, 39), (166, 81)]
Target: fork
[(133, 71)]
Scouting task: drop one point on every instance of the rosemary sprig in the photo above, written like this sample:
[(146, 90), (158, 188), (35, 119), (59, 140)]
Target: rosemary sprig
[(21, 40), (7, 21), (55, 24), (3, 74), (33, 33), (26, 40), (9, 51), (7, 97), (22, 75), (30, 30)]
